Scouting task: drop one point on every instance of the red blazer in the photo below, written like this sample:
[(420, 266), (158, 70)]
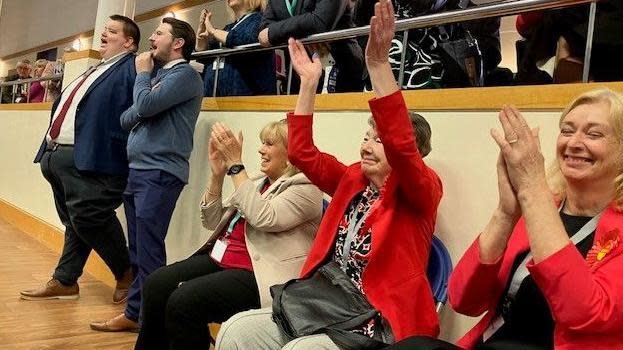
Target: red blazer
[(585, 296), (402, 220)]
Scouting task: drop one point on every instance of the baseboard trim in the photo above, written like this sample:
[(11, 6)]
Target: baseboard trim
[(52, 237)]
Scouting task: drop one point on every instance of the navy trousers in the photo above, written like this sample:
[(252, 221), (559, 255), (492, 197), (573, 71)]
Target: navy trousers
[(149, 200)]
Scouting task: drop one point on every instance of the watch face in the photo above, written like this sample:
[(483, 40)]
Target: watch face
[(235, 169)]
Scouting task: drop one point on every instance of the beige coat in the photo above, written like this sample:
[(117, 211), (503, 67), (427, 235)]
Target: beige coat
[(280, 226)]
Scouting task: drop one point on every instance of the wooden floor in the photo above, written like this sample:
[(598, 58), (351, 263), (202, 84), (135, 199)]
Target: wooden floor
[(47, 325)]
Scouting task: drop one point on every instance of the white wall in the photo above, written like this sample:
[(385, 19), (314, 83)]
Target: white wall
[(29, 23), (463, 154)]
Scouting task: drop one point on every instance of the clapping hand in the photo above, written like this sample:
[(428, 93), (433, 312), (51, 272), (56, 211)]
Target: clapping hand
[(308, 69), (230, 147), (521, 151), (205, 24), (216, 159)]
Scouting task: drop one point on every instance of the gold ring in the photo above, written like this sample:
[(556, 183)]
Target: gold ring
[(512, 141)]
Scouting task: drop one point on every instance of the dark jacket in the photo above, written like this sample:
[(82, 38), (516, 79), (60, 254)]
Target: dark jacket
[(100, 142), (238, 77), (319, 16)]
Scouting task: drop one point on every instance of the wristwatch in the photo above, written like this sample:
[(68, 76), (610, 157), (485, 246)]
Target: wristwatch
[(235, 169)]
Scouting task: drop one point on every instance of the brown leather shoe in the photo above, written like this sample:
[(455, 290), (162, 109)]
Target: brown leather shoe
[(116, 324), (53, 289), (120, 295)]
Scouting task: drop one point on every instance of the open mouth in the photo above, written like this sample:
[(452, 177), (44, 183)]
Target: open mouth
[(104, 41)]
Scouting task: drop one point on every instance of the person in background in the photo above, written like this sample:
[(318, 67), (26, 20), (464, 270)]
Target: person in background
[(239, 75), (545, 271), (17, 93), (284, 19), (379, 225), (37, 91), (261, 235), (53, 87), (161, 122), (83, 157)]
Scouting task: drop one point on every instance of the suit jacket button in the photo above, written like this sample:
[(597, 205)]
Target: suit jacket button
[(256, 257)]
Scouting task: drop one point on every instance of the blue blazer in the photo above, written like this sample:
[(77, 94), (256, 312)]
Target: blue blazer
[(99, 140)]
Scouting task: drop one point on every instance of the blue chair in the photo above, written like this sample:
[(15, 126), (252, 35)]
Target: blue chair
[(325, 204), (439, 268)]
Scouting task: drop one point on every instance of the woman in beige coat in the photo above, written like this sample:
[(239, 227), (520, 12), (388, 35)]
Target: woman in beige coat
[(261, 236)]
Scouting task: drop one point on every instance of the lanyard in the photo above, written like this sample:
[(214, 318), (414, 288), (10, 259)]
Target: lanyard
[(522, 271), (291, 6), (238, 215), (242, 19), (351, 231)]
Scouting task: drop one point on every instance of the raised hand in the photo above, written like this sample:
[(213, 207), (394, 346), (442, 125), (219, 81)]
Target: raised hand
[(382, 28), (308, 69), (521, 150), (144, 62), (227, 144)]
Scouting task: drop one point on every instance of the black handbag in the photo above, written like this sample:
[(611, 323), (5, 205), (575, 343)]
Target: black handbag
[(327, 302)]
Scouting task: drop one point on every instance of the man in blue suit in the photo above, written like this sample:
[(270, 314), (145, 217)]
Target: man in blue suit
[(83, 157)]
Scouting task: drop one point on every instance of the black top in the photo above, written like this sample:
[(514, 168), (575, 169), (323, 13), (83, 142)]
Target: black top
[(528, 322)]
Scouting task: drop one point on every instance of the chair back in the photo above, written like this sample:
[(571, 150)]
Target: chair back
[(439, 269)]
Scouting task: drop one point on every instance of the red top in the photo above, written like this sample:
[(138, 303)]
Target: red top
[(585, 297), (402, 220), (236, 255), (525, 21)]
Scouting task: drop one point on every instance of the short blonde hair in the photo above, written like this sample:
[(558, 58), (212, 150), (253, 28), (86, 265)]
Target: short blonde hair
[(614, 99), (250, 6), (41, 63), (277, 132)]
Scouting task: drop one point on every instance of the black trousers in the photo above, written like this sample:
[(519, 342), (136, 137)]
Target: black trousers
[(85, 203), (426, 343), (422, 343), (180, 300)]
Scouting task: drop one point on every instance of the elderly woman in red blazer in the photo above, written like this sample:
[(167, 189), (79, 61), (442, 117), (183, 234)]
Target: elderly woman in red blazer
[(390, 193), (547, 273)]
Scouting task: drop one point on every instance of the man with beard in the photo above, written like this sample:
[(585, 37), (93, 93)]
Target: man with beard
[(161, 123), (83, 157)]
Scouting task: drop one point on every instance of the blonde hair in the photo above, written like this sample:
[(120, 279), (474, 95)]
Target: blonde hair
[(250, 6), (277, 132), (614, 99), (41, 63)]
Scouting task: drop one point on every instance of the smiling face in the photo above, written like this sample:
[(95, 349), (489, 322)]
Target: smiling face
[(113, 41), (273, 158), (587, 149), (374, 164)]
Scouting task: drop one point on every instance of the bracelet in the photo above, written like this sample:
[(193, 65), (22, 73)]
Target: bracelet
[(212, 193)]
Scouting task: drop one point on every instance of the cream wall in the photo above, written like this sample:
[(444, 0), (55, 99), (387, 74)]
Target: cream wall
[(463, 154)]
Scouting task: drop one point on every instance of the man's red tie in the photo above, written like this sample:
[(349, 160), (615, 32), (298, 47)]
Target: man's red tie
[(55, 130)]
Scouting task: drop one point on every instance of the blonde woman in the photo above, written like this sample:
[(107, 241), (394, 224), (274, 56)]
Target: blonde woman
[(546, 272), (239, 75), (261, 236)]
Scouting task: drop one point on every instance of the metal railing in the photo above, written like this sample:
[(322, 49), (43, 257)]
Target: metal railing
[(497, 9), (26, 83)]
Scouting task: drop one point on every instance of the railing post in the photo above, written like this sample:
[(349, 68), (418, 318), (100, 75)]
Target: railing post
[(1, 93), (217, 60), (403, 56), (289, 77), (589, 41), (28, 85)]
